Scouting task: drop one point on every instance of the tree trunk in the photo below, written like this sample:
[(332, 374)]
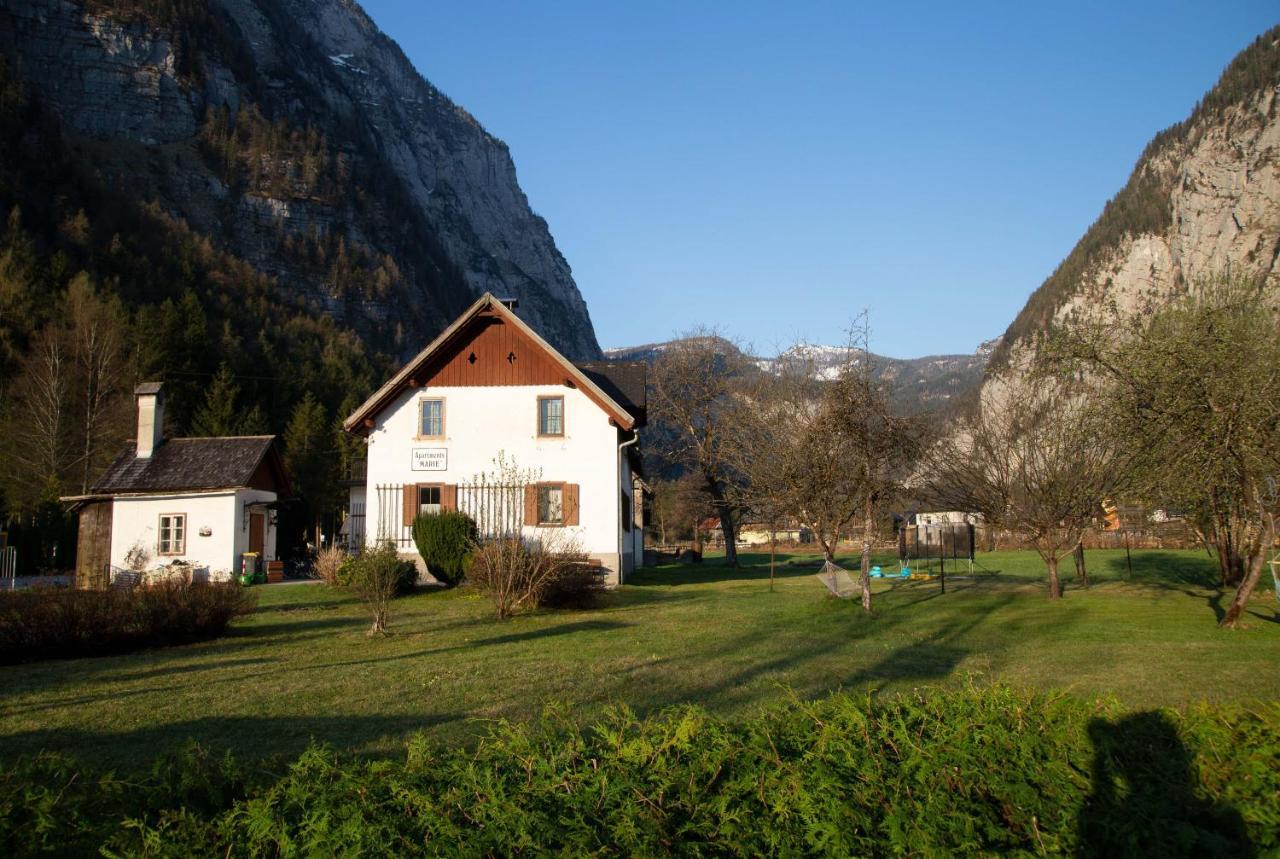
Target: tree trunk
[(725, 511), (1055, 586), (773, 555), (866, 559), (1250, 581), (1081, 573)]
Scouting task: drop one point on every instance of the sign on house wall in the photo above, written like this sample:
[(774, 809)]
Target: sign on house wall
[(430, 458)]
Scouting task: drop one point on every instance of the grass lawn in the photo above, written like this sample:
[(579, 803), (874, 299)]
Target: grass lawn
[(301, 666)]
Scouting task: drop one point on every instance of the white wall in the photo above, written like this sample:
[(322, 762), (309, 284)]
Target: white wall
[(137, 519), (482, 421)]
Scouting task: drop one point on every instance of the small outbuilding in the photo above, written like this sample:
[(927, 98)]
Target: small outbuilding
[(203, 502)]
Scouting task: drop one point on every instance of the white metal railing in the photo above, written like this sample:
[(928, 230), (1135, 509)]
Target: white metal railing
[(9, 566)]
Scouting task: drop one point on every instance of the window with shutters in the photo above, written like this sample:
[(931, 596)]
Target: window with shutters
[(429, 499), (173, 533), (551, 504), (431, 418), (551, 416)]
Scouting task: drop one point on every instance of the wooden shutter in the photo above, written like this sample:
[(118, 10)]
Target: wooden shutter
[(531, 504), (570, 497), (448, 497), (410, 503)]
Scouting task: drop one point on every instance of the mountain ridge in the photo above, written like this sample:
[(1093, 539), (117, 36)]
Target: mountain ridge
[(916, 385)]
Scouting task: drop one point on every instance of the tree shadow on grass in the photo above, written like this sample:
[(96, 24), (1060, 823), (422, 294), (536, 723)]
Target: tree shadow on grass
[(1144, 800), (261, 741), (1165, 569)]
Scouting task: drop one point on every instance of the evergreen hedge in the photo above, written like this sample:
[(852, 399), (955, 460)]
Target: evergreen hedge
[(980, 770), (445, 541)]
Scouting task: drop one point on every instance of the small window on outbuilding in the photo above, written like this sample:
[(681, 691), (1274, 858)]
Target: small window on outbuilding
[(173, 534)]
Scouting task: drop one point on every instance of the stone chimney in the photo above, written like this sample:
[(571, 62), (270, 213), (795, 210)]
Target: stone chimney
[(150, 418)]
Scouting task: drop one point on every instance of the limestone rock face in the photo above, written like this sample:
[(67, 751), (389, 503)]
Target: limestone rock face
[(1214, 182), (447, 210)]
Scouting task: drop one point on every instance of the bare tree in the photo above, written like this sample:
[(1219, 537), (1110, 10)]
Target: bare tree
[(1037, 460), (1193, 390), (97, 344), (40, 440), (827, 452), (693, 391)]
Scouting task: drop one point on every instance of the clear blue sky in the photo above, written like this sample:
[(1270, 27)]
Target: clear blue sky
[(774, 168)]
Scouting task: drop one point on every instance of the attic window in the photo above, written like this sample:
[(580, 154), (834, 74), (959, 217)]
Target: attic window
[(471, 359), (511, 357)]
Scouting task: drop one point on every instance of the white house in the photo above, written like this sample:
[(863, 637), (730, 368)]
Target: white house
[(202, 501), (490, 388)]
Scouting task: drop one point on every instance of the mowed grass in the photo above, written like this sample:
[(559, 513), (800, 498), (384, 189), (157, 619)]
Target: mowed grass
[(301, 668)]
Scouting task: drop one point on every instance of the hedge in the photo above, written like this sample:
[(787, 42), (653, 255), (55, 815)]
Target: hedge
[(53, 623), (980, 770)]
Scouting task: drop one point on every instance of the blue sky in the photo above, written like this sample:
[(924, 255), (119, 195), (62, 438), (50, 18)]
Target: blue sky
[(772, 169)]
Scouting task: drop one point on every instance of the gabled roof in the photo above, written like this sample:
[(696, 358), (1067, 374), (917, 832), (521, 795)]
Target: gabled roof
[(190, 464), (488, 305)]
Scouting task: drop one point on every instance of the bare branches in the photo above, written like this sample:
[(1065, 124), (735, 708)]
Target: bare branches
[(1038, 459)]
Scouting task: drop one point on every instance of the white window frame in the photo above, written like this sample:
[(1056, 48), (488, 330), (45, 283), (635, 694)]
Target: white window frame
[(422, 409), (178, 519)]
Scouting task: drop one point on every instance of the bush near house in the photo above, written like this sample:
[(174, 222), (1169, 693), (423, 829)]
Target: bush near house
[(981, 770), (445, 541), (377, 575), (48, 623), (354, 569), (519, 575)]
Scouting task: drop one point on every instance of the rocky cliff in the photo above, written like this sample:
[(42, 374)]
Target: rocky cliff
[(297, 137), (1203, 200)]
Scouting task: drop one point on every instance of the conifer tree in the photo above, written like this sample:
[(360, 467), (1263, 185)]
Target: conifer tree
[(311, 458)]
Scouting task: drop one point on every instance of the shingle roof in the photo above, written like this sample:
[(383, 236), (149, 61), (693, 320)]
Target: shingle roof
[(626, 383), (187, 464)]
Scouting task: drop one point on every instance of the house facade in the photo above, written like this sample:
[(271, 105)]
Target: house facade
[(203, 502), (491, 420)]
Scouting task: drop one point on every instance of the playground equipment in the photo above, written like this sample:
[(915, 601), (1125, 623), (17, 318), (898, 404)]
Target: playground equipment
[(927, 548)]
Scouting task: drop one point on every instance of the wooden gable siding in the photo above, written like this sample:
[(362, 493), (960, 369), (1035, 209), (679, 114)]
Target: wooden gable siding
[(488, 352), (268, 476)]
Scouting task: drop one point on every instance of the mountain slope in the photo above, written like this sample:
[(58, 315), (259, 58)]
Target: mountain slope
[(1203, 199), (916, 385), (296, 137)]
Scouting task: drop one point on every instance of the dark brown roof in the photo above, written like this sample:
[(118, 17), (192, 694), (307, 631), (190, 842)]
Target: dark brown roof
[(182, 464), (626, 383)]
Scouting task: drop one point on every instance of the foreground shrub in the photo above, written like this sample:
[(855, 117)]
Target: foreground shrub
[(328, 564), (377, 575), (445, 541), (989, 771), (519, 575), (48, 623)]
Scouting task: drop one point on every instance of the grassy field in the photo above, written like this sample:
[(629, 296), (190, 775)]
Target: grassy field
[(301, 666)]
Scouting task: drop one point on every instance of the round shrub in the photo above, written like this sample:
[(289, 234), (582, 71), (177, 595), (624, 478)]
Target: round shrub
[(445, 540)]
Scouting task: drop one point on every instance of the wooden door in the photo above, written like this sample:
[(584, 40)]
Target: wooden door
[(258, 533)]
